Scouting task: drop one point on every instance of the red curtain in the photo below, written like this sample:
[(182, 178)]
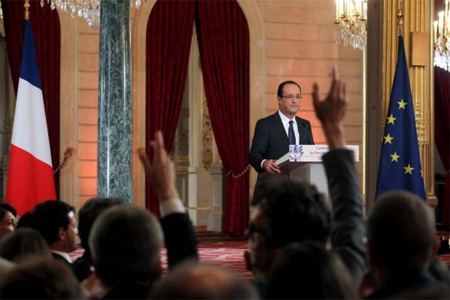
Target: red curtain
[(169, 36), (46, 33), (223, 37), (442, 131)]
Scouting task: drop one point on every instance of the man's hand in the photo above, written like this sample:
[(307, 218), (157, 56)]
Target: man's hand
[(331, 111), (271, 166), (161, 173)]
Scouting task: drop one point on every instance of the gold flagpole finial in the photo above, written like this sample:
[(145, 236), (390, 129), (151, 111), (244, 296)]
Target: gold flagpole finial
[(27, 6), (400, 18)]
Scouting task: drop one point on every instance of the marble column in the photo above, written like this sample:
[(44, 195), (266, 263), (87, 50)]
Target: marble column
[(114, 109)]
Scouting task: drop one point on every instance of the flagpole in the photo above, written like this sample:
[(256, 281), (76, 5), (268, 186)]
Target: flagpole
[(27, 6)]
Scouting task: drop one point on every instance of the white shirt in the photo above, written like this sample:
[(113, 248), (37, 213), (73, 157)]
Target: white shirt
[(63, 254), (285, 120)]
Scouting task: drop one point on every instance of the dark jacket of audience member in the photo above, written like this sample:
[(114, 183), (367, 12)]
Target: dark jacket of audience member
[(90, 211), (40, 278), (308, 271), (22, 243)]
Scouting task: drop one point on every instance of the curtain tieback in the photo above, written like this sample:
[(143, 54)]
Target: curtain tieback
[(67, 154), (229, 173)]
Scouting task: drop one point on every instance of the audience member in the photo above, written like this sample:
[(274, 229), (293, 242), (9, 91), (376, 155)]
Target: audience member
[(192, 280), (22, 243), (5, 267), (82, 267), (401, 244), (308, 271), (8, 222), (40, 278), (126, 242), (289, 212), (55, 221)]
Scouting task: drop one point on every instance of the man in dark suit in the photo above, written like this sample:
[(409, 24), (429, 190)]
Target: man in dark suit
[(55, 221), (275, 133)]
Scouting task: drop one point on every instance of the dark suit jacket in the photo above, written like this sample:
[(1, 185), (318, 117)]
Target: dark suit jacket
[(271, 142)]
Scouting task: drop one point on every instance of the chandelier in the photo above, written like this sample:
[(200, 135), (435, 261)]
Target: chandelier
[(442, 39), (351, 20), (87, 9)]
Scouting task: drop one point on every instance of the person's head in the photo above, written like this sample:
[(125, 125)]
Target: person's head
[(22, 243), (308, 271), (125, 243), (8, 222), (284, 212), (89, 213), (289, 96), (55, 221), (40, 278), (192, 280), (401, 233)]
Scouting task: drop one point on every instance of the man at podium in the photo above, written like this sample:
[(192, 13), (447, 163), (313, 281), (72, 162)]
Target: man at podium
[(275, 133)]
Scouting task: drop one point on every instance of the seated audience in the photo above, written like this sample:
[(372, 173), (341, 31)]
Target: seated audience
[(22, 243), (8, 221), (40, 278), (82, 267), (193, 280), (308, 271), (55, 221), (285, 212), (401, 244)]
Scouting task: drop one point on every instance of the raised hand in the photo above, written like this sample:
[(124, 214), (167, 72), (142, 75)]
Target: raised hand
[(161, 173), (331, 111)]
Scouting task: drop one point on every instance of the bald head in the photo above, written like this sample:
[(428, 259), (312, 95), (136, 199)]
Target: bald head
[(401, 231), (201, 281)]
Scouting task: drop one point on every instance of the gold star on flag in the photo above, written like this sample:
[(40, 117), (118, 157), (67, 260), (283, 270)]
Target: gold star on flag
[(388, 139), (395, 156), (391, 119), (401, 104), (408, 169)]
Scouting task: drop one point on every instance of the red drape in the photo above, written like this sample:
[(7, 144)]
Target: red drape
[(442, 131), (169, 36), (46, 33), (223, 37)]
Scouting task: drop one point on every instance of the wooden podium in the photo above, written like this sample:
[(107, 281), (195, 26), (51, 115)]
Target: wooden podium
[(304, 163)]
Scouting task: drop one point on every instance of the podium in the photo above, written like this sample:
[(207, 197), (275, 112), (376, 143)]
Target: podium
[(304, 163)]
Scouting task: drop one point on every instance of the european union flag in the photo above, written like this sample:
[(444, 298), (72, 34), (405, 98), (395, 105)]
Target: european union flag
[(400, 161)]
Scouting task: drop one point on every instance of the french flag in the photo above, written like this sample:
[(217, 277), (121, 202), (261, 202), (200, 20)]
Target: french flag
[(30, 176)]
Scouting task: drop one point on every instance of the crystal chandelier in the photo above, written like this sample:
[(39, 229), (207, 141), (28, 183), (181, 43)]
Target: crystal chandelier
[(351, 16), (87, 9), (442, 39)]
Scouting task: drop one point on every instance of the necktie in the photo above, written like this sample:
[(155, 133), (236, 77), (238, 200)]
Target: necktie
[(291, 134)]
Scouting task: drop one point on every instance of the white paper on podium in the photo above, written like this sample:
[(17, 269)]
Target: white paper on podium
[(311, 153)]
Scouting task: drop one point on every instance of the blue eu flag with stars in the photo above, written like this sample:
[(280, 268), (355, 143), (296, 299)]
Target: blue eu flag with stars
[(400, 160)]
